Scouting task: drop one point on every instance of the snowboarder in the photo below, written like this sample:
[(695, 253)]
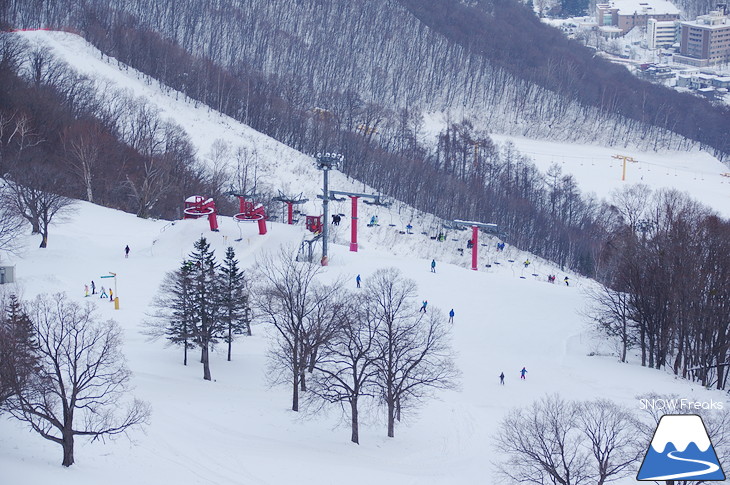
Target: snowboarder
[(501, 378), (86, 290), (373, 221), (357, 280), (451, 316), (423, 307), (566, 281), (126, 251), (408, 229), (522, 373), (93, 288), (103, 293), (526, 263), (441, 237), (433, 266)]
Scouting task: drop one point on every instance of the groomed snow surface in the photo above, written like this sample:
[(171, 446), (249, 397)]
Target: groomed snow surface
[(238, 429)]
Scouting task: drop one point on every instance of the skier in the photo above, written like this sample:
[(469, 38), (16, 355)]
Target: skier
[(357, 280), (408, 229), (526, 263), (522, 373), (501, 378), (93, 288), (86, 290), (103, 293), (126, 251), (566, 281), (433, 266), (111, 295), (451, 316), (423, 308), (469, 244)]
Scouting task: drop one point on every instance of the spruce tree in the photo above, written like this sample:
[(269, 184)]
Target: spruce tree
[(233, 299), (205, 301), (18, 357), (180, 330)]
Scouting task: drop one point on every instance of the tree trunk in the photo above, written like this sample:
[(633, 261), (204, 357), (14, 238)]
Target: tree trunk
[(44, 240), (295, 391), (68, 448), (303, 380), (391, 419), (230, 341), (355, 430), (185, 352), (206, 363)]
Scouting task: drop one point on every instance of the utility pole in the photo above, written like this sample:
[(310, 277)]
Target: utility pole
[(326, 162), (625, 158)]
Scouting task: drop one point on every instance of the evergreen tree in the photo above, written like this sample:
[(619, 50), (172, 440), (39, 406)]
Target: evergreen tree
[(18, 345), (205, 305), (177, 294), (233, 299)]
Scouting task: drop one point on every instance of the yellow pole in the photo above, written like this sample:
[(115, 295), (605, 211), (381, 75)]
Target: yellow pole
[(625, 158)]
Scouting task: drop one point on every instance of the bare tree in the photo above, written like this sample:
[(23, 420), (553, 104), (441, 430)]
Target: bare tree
[(346, 368), (82, 148), (413, 348), (611, 311), (302, 311), (82, 379), (612, 437), (34, 193), (543, 445)]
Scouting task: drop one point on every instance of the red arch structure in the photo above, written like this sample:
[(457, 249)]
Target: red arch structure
[(197, 206)]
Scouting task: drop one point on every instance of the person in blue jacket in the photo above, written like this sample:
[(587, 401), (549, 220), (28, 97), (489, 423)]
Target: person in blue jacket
[(423, 307), (433, 266), (451, 316), (357, 280), (522, 373)]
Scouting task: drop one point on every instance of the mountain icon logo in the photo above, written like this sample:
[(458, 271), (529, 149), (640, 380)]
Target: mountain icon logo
[(681, 450)]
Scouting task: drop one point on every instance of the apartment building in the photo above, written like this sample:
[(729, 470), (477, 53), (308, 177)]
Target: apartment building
[(661, 33), (705, 41)]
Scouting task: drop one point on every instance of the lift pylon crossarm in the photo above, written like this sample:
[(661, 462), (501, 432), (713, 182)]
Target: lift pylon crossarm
[(489, 227), (246, 195)]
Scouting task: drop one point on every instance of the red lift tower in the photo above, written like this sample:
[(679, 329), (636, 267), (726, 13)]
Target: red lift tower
[(475, 226), (290, 202), (249, 211), (197, 206), (354, 196)]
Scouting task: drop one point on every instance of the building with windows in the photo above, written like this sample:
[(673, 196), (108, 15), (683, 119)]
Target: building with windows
[(704, 41), (661, 33), (627, 14)]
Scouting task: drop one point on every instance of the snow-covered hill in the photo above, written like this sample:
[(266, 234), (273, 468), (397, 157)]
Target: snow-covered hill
[(237, 429)]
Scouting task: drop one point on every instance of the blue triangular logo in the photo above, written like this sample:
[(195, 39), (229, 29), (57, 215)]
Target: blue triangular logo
[(681, 450)]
